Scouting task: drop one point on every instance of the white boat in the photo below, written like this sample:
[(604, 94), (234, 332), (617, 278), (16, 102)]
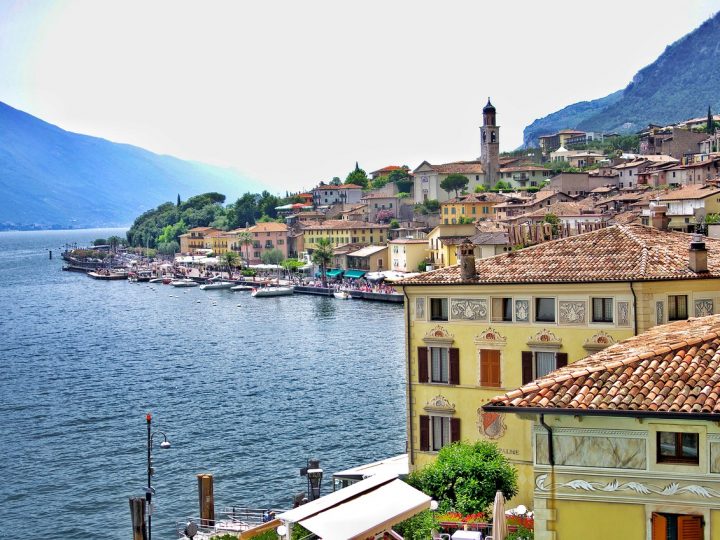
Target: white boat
[(183, 283), (242, 288), (156, 280), (273, 291), (341, 295), (216, 285)]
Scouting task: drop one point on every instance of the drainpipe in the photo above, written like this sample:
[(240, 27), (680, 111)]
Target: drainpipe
[(409, 385), (635, 328), (551, 454)]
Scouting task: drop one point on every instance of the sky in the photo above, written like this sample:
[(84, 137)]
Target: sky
[(293, 92)]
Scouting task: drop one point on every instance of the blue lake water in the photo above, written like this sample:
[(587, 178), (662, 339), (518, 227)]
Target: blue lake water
[(246, 389)]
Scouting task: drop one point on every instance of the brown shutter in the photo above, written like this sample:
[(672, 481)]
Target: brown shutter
[(490, 368), (561, 360), (690, 528), (454, 361), (527, 368), (424, 433), (484, 368), (423, 375), (659, 527), (454, 429)]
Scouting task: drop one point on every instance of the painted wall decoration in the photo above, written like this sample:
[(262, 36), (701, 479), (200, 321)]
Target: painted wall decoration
[(490, 424), (420, 308), (469, 310), (703, 307), (623, 313), (572, 312), (439, 334), (545, 338), (593, 452), (669, 490), (440, 404), (660, 312), (490, 336), (598, 341), (522, 310)]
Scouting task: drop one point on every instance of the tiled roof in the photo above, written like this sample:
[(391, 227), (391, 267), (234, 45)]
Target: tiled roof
[(269, 226), (388, 168), (344, 224), (471, 198), (500, 238), (562, 208), (367, 251), (459, 167), (452, 240), (691, 192), (379, 196), (670, 369), (615, 253), (519, 168)]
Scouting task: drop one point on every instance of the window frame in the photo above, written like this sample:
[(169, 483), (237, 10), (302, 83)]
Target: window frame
[(504, 299), (536, 302), (444, 311), (445, 432), (678, 458), (672, 307), (605, 318)]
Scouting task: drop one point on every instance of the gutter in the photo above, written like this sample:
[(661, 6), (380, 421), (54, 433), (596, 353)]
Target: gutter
[(409, 385), (551, 453), (635, 316), (658, 415)]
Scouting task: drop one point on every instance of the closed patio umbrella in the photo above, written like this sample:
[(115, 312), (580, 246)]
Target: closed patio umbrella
[(500, 530)]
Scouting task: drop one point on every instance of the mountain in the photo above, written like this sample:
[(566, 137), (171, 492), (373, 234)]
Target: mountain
[(52, 178), (680, 84)]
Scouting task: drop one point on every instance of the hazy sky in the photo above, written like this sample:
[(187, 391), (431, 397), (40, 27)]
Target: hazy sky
[(290, 93)]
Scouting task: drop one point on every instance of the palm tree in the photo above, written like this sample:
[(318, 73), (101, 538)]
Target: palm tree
[(245, 238), (322, 256), (230, 258)]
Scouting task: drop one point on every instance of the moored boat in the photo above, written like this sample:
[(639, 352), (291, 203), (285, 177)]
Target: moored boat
[(273, 291), (186, 282), (242, 288), (108, 274), (341, 295), (217, 285)]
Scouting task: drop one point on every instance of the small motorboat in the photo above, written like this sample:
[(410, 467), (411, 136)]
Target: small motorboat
[(156, 280), (273, 291), (216, 285), (341, 295), (108, 274), (186, 282), (242, 288)]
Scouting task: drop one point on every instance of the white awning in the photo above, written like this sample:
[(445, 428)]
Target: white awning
[(364, 509), (395, 464)]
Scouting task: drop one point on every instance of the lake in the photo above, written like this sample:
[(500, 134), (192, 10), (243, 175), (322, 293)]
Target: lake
[(244, 388)]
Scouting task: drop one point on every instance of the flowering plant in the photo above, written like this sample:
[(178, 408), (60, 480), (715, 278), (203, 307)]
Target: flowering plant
[(457, 517), (526, 522)]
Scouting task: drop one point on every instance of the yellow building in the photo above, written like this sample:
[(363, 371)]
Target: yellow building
[(220, 241), (341, 231), (684, 204), (627, 441), (490, 325), (406, 254), (472, 206), (443, 241), (194, 239)]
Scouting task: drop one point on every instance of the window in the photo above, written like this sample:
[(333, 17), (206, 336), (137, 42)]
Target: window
[(677, 527), (545, 310), (502, 309), (539, 363), (602, 310), (439, 365), (677, 307), (438, 431), (490, 368), (438, 309), (677, 447)]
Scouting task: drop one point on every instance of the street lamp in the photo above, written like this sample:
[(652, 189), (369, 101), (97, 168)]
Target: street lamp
[(150, 470), (314, 475)]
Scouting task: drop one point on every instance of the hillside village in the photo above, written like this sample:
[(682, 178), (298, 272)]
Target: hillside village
[(574, 183)]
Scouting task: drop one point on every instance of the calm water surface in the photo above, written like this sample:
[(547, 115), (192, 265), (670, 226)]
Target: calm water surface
[(244, 388)]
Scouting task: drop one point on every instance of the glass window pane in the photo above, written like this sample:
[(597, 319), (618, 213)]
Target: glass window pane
[(544, 363), (497, 309), (690, 445), (666, 442), (508, 309), (545, 309)]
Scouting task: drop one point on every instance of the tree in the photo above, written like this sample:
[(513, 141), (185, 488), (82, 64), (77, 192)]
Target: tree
[(454, 182), (322, 256), (480, 189), (357, 177), (379, 182), (245, 238), (100, 242), (383, 216), (178, 201), (230, 259), (710, 125), (292, 265), (500, 184), (466, 476), (432, 205), (272, 256), (553, 220), (394, 224), (168, 248)]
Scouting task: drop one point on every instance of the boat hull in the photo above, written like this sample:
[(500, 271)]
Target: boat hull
[(267, 292)]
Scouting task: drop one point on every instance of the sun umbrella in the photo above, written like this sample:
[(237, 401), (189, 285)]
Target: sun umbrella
[(500, 530)]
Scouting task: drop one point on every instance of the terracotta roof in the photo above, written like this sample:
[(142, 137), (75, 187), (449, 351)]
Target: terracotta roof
[(670, 369), (367, 251), (269, 226), (625, 218), (565, 208), (202, 229), (707, 162), (344, 224), (519, 168), (460, 167), (615, 253), (694, 191), (498, 238), (452, 240), (471, 198), (388, 168)]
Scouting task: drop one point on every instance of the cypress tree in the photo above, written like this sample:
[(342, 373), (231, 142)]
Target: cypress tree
[(710, 122), (178, 201)]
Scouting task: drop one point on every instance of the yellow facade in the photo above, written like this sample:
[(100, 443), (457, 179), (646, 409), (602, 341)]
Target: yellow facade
[(406, 254), (471, 327), (452, 210), (341, 232), (443, 254)]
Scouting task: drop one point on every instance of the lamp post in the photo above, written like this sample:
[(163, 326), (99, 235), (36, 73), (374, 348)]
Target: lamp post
[(150, 470), (314, 475)]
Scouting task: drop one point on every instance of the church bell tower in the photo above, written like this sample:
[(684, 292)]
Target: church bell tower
[(490, 144)]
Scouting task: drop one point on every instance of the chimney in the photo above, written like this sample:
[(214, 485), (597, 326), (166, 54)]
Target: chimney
[(466, 254), (659, 219), (697, 260)]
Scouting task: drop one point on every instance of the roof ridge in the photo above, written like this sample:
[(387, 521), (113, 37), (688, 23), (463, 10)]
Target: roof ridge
[(643, 246)]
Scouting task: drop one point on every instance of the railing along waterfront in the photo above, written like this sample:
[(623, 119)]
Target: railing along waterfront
[(234, 519)]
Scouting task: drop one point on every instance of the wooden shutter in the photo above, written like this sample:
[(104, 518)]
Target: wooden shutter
[(561, 360), (527, 368), (424, 433), (454, 429), (423, 374), (454, 365), (690, 528), (490, 368), (659, 527)]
